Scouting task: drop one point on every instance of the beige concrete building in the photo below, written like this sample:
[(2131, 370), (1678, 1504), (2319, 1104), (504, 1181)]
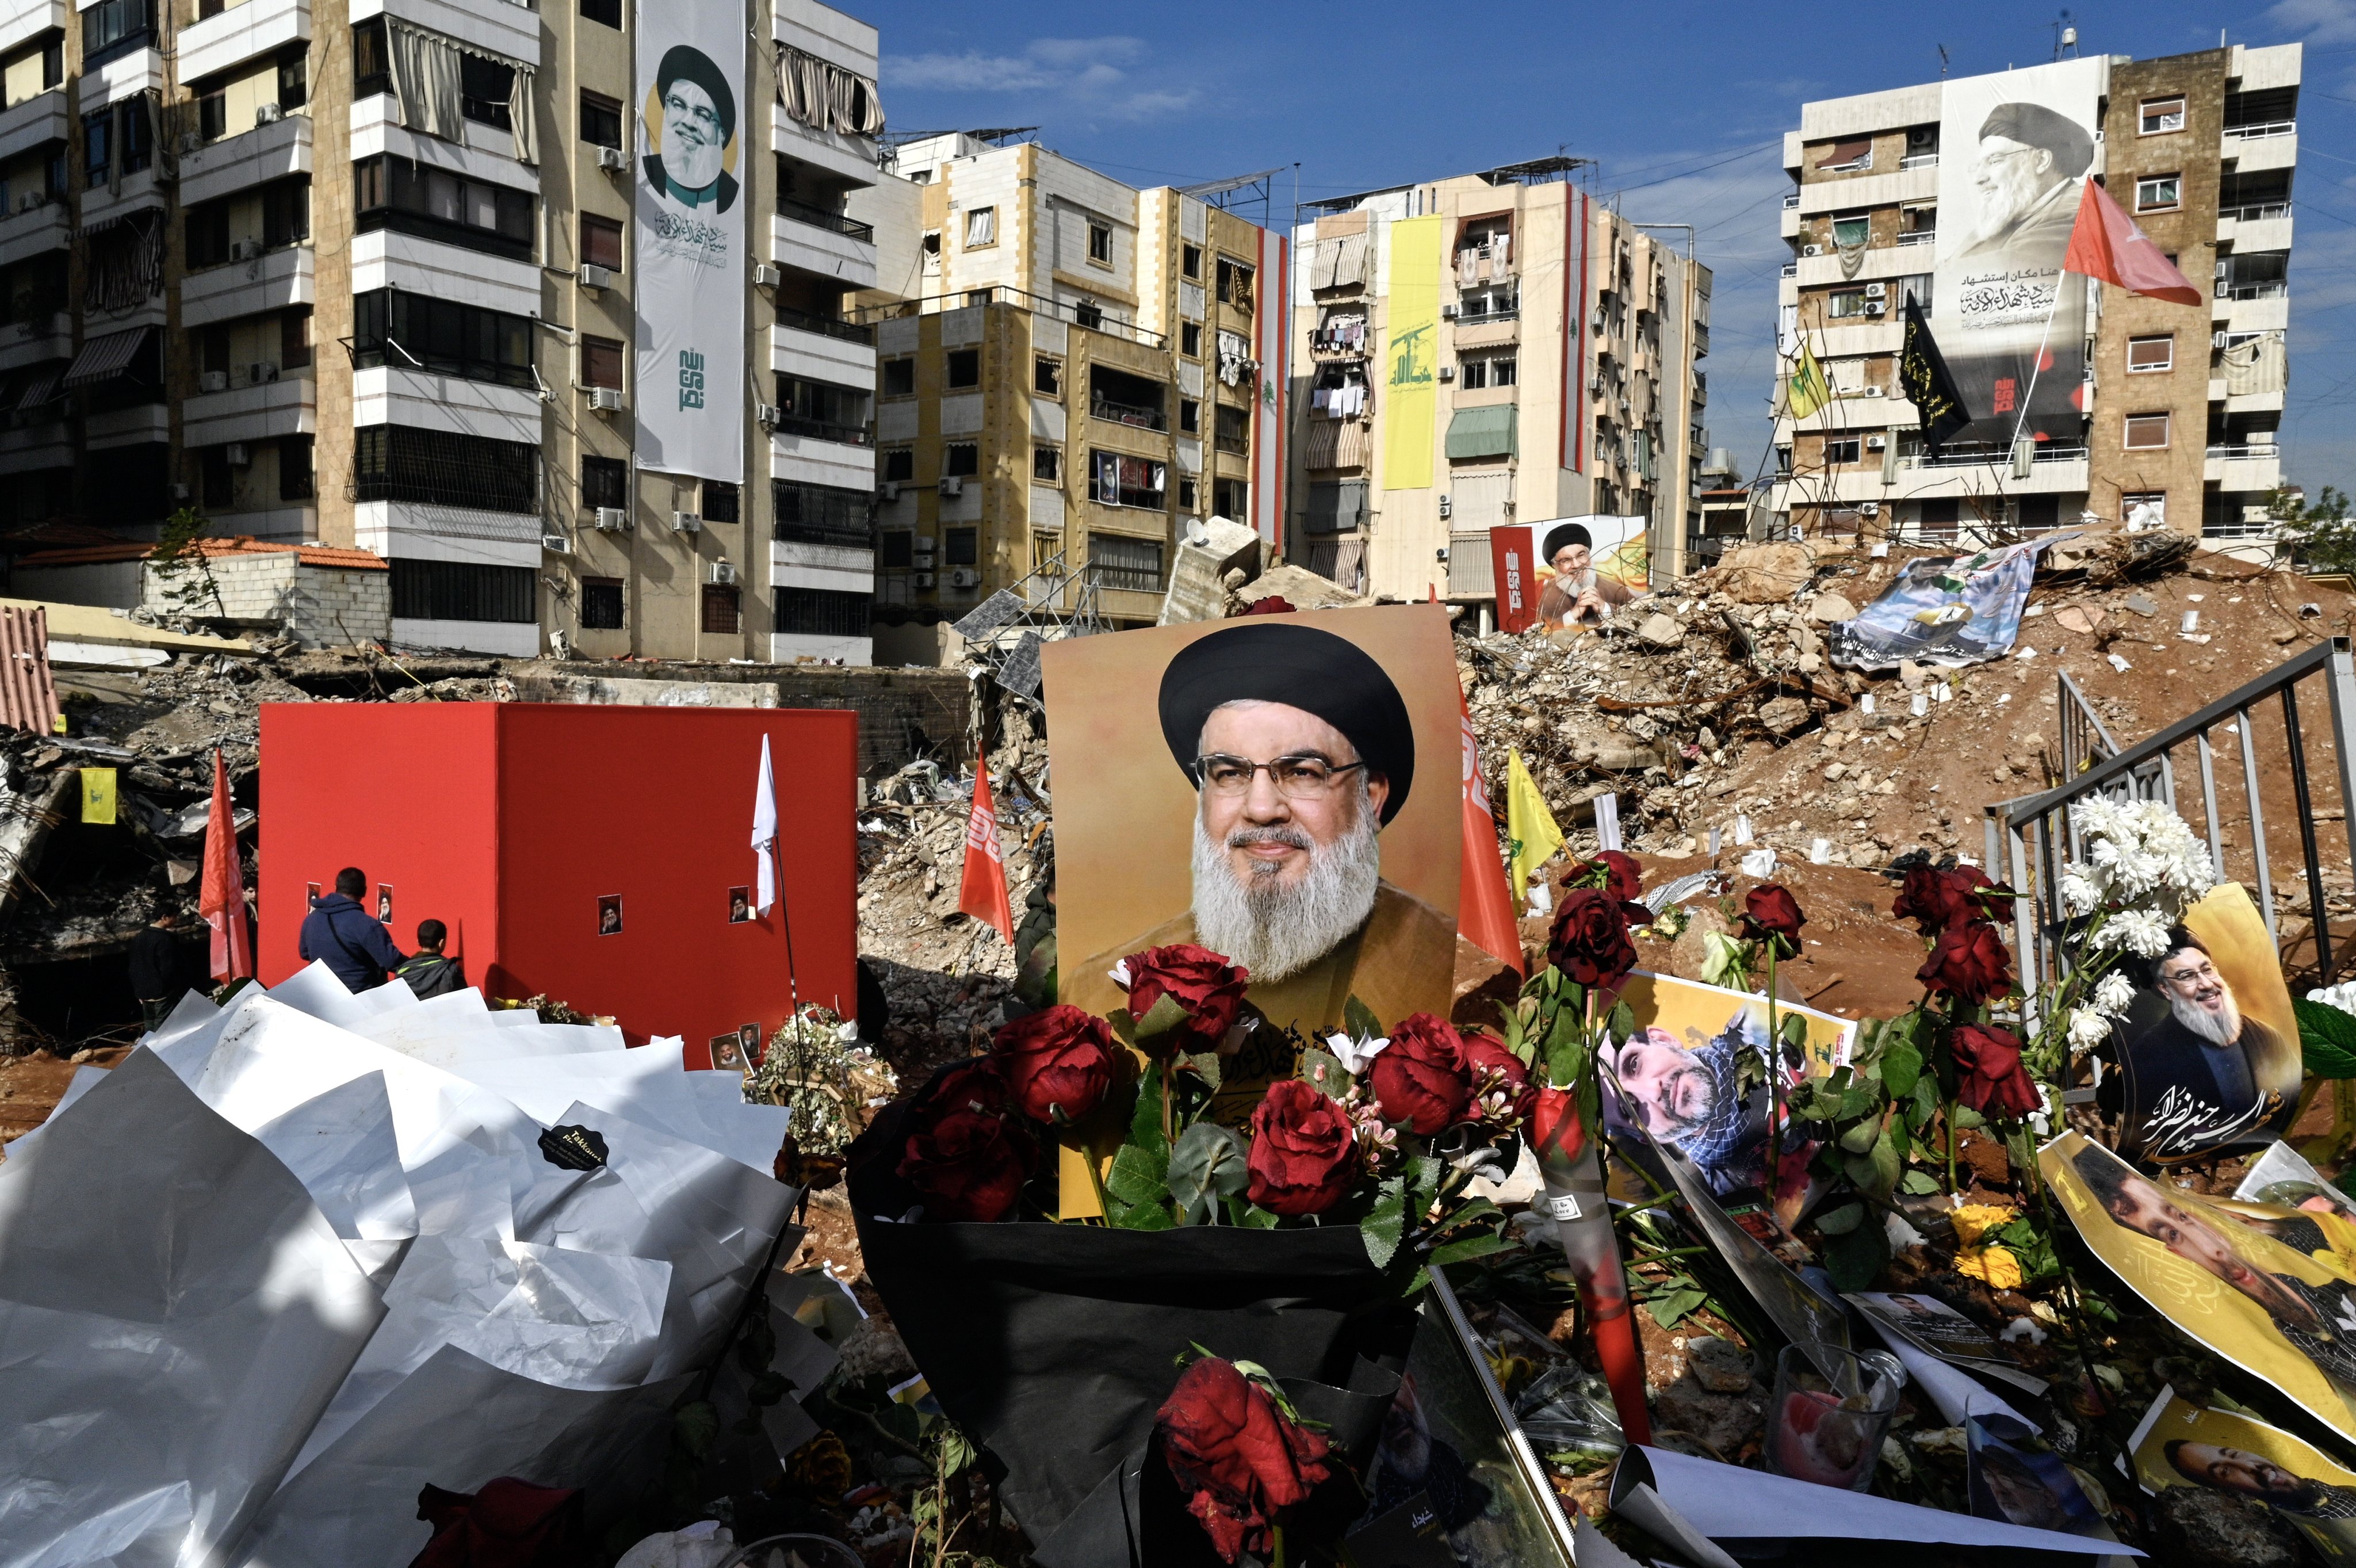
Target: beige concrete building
[(359, 271), (1069, 368), (1566, 380), (2181, 403)]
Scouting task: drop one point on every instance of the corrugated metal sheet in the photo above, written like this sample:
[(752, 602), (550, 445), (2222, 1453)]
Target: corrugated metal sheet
[(28, 696)]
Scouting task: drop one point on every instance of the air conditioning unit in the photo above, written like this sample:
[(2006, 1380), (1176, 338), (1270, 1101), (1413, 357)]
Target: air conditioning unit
[(556, 544), (607, 400), (214, 380), (769, 415), (613, 158), (1812, 250), (924, 579), (1447, 372), (594, 276), (965, 577), (1876, 442), (686, 522), (889, 489), (767, 275), (244, 249), (1446, 507), (268, 113), (1876, 290), (237, 454), (31, 199), (1448, 313), (951, 487), (1921, 138), (613, 519), (1877, 307), (259, 372), (723, 574)]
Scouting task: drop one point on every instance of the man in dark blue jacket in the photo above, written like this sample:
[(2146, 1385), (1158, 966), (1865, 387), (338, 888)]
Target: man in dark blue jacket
[(349, 941)]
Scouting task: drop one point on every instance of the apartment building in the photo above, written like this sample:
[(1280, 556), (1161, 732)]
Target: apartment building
[(1069, 368), (1481, 349), (2087, 402), (367, 272)]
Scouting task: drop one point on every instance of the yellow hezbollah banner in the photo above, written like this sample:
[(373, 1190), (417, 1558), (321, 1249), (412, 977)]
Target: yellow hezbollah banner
[(98, 795), (1414, 353)]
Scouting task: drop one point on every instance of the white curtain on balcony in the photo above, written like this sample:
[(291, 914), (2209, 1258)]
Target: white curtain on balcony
[(2255, 366), (826, 97), (527, 126), (426, 82)]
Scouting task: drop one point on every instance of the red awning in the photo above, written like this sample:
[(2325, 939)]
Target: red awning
[(1843, 153)]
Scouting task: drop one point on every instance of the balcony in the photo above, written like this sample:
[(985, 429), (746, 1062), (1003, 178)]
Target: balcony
[(1237, 445), (2275, 288), (36, 122), (500, 25), (2254, 212), (822, 348), (2246, 449), (21, 21), (1133, 414), (427, 400), (2264, 131), (811, 239), (37, 339), (238, 33), (1789, 270), (34, 231), (257, 412), (819, 217), (1919, 237), (272, 282), (247, 158), (417, 264), (1919, 160), (1792, 202)]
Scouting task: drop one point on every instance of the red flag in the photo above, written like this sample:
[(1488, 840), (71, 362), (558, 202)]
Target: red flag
[(2104, 243), (1485, 904), (222, 899), (984, 894)]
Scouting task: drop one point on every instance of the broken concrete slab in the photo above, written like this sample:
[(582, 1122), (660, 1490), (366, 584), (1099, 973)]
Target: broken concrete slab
[(1661, 631), (1208, 550), (1300, 588), (610, 691), (1825, 609), (1763, 574)]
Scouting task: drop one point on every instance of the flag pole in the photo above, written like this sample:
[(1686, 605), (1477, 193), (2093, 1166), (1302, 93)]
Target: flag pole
[(785, 914), (2035, 366)]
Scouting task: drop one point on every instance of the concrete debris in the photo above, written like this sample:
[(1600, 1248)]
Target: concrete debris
[(648, 694), (1762, 574), (1296, 585), (1212, 551)]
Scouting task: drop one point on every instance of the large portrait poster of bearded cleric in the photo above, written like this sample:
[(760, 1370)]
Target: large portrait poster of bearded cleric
[(688, 261), (1283, 789), (2014, 151)]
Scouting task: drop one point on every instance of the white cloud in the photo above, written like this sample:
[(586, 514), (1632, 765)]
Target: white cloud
[(1086, 74), (2320, 21)]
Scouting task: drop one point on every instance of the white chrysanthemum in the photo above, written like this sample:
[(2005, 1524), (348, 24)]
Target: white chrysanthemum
[(2112, 992), (2095, 817), (2088, 1029), (2342, 996), (2079, 894), (2141, 931)]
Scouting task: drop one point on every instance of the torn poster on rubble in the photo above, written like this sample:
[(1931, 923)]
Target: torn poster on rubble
[(1943, 609)]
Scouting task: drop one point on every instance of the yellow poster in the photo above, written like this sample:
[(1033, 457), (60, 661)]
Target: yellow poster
[(2183, 1445), (1413, 362), (98, 795)]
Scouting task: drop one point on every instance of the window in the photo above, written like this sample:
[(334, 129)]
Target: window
[(2160, 193), (295, 340), (372, 65), (138, 134), (896, 549), (285, 213), (601, 243), (962, 547), (424, 332), (722, 608), (216, 480), (1915, 287), (212, 350), (1089, 314), (820, 514), (821, 612), (2161, 115), (1851, 229), (900, 463), (1493, 371), (1047, 376), (960, 459), (1235, 431), (899, 378), (1132, 563), (1190, 340), (2147, 432), (1118, 481), (601, 603), (964, 368), (1190, 260), (212, 116), (608, 12), (1046, 464), (485, 87), (97, 148), (1187, 496), (1235, 284), (2151, 354), (1841, 451), (980, 228), (1100, 243), (115, 26), (721, 503), (398, 194), (1189, 414), (823, 409), (458, 590), (601, 362), (604, 481), (295, 479), (1846, 302), (1231, 498), (601, 121)]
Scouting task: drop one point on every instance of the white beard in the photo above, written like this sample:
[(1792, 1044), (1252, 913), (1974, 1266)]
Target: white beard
[(1276, 930), (691, 165), (2217, 1028)]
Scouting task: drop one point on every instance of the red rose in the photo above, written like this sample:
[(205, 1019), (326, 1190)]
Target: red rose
[(1235, 1454), (1769, 910), (1490, 1063), (1618, 875), (1305, 1152), (1420, 1077), (1207, 987), (1935, 899), (1059, 1059), (1967, 962), (1274, 605), (1992, 1081), (1557, 1134), (1590, 941), (968, 1155)]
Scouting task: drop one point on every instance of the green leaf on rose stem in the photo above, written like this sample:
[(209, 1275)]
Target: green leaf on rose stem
[(1139, 1175), (1145, 1115), (1859, 1138), (1385, 1223), (1623, 1022), (1360, 1021), (958, 1452), (1250, 1215), (1207, 1067), (1122, 1025), (1901, 1068), (1901, 1139), (1479, 1246), (1325, 1072), (1842, 1220), (1921, 1184), (694, 1427), (1206, 1166), (1795, 1032), (1855, 1259), (1147, 1217), (1966, 1117), (1926, 1099), (2326, 1038), (1670, 1310), (1858, 1099), (1165, 1017), (1859, 1170), (768, 1388), (1479, 1208), (1726, 962), (1886, 1163)]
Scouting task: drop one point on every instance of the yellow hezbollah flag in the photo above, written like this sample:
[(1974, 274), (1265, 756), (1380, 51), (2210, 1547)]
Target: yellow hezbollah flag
[(1806, 391), (98, 795), (1529, 826), (1411, 375)]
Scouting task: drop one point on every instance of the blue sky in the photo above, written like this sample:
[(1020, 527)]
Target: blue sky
[(1683, 106)]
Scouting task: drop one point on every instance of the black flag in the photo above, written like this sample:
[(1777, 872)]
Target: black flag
[(1923, 371)]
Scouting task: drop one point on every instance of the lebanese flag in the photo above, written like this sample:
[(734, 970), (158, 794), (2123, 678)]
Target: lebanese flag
[(2104, 243), (221, 900), (983, 896), (1485, 904)]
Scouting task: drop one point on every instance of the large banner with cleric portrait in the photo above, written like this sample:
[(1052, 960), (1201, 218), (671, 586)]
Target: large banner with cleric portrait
[(691, 204)]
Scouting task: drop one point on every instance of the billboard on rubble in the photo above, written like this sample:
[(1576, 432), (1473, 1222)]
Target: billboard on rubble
[(2015, 150), (688, 265)]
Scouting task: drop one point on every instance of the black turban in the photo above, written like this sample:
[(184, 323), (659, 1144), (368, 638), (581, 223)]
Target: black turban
[(680, 63), (1568, 534), (1284, 661), (2034, 125)]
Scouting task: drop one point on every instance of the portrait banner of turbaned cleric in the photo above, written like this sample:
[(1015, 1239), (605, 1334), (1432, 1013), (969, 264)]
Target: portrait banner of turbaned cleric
[(2241, 1279), (2014, 151), (1280, 789), (2181, 1443), (689, 199), (2207, 1056)]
